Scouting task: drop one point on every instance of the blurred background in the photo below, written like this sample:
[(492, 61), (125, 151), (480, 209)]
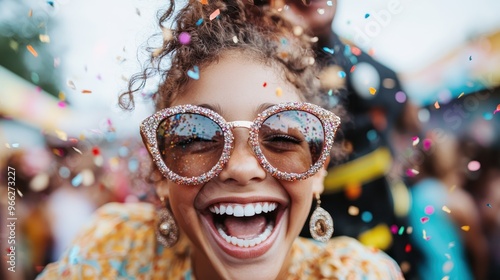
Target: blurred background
[(64, 63)]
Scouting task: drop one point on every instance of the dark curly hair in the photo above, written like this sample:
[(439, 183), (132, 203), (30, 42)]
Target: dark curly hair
[(259, 32)]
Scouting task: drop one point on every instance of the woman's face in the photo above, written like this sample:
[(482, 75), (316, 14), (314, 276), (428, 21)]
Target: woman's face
[(238, 89)]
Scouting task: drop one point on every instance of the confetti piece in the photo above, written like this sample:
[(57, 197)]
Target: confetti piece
[(409, 230), (424, 235), (204, 2), (321, 11), (20, 193), (279, 91), (411, 172), (407, 248), (167, 34), (77, 180), (330, 92), (415, 140), (328, 50), (356, 51), (429, 210), (474, 165), (352, 68), (199, 22), (400, 97), (96, 151), (61, 135), (366, 216), (137, 11), (451, 245), (77, 150), (30, 13), (372, 90), (61, 104), (184, 38), (51, 3), (329, 3), (32, 50), (264, 84), (298, 30), (86, 91), (353, 210), (461, 94), (470, 57), (497, 109), (44, 38), (446, 209), (394, 229), (342, 74), (70, 84), (436, 105), (235, 39), (424, 220), (401, 230), (488, 204), (214, 14), (367, 15), (194, 73), (427, 144), (14, 45), (465, 228)]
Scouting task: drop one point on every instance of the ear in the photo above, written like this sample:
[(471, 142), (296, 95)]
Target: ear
[(162, 189), (319, 178)]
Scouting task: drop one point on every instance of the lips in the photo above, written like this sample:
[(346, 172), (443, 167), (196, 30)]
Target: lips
[(244, 230)]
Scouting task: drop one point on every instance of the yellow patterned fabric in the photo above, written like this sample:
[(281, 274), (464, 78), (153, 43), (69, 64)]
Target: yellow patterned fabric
[(120, 243)]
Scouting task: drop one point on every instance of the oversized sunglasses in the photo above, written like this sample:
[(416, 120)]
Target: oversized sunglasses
[(191, 144)]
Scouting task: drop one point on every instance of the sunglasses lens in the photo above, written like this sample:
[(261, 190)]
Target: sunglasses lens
[(190, 144), (292, 141)]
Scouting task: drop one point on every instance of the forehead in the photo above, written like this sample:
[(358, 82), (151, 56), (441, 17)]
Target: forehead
[(238, 80)]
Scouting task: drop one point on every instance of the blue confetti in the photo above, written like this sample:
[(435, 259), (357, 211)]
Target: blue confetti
[(366, 217), (199, 22), (51, 3), (330, 92), (195, 73), (489, 205), (328, 50), (133, 165), (367, 15), (470, 57), (77, 180), (372, 135), (342, 74)]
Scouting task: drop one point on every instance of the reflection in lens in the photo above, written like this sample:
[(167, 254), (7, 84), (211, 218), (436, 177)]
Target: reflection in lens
[(292, 141), (190, 144)]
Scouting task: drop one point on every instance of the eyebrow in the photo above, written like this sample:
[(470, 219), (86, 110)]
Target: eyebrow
[(218, 109)]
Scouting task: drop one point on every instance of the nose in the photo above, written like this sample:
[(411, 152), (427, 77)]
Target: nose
[(242, 167)]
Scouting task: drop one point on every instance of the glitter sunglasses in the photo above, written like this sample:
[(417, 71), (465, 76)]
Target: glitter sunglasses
[(191, 144)]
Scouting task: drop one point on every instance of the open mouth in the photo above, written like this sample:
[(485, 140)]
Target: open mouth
[(244, 225)]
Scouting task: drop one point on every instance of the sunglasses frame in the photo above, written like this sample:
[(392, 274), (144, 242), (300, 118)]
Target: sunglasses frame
[(149, 127)]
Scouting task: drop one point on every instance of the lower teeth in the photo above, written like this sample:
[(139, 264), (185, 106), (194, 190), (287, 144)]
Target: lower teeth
[(245, 243)]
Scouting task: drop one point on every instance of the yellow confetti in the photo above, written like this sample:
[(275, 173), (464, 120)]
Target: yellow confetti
[(373, 90), (215, 14), (44, 38), (61, 135), (62, 96), (32, 50), (82, 137), (465, 228), (446, 209), (436, 105), (14, 45), (461, 94), (279, 91)]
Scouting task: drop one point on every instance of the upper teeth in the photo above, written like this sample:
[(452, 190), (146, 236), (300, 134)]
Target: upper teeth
[(243, 210)]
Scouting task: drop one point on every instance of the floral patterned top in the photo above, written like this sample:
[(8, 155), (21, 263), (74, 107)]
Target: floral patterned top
[(120, 243)]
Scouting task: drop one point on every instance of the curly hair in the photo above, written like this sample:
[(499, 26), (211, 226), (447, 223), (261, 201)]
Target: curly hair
[(216, 27)]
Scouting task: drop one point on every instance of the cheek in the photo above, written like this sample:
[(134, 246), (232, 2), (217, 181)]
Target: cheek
[(181, 202)]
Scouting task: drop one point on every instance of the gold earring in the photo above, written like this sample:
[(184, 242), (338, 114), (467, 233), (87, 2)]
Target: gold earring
[(167, 232), (321, 223)]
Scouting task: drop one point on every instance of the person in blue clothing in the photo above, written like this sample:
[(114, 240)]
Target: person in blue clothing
[(365, 201)]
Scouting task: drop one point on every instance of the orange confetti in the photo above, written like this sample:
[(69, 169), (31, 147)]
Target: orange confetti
[(30, 13), (371, 52), (355, 51), (215, 14), (465, 228), (436, 105), (373, 90), (86, 91), (204, 2), (32, 50), (279, 92)]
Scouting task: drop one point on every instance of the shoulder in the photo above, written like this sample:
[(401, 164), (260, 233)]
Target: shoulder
[(119, 239), (341, 257)]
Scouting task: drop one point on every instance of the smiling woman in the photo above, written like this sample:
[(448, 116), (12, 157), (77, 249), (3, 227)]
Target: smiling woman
[(242, 154)]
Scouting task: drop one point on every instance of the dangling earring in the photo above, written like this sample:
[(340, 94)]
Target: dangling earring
[(321, 223), (167, 232)]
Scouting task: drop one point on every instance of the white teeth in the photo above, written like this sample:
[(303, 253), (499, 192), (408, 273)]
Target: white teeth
[(243, 210), (244, 243)]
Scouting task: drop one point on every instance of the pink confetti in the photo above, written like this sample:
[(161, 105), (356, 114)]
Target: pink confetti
[(184, 38), (427, 144), (61, 104), (394, 229), (214, 14), (474, 165), (411, 172), (415, 140), (424, 220), (429, 210)]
